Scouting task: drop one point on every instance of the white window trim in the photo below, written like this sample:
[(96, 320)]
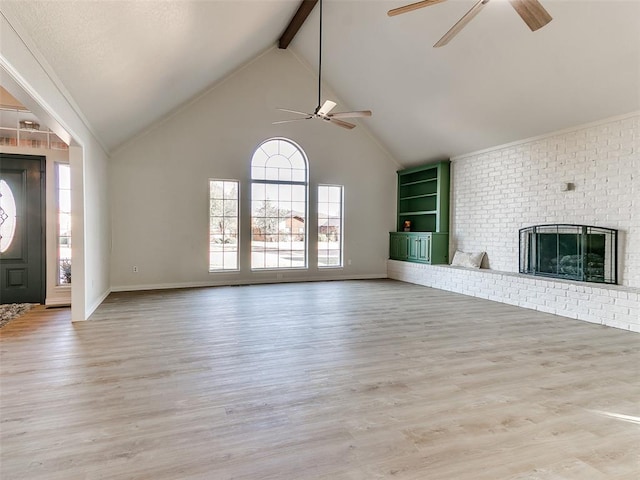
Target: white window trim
[(341, 265), (238, 256), (304, 183)]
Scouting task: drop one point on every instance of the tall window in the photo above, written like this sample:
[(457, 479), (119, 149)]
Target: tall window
[(223, 224), (330, 213), (63, 176), (279, 182)]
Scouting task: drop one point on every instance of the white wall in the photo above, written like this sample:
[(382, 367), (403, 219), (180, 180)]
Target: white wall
[(23, 69), (498, 191), (159, 204), (55, 294)]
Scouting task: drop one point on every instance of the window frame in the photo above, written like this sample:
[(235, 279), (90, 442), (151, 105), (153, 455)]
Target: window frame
[(264, 181), (341, 250), (237, 219), (59, 236)]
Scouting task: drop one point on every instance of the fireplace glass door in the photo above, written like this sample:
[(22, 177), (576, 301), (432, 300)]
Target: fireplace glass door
[(573, 252)]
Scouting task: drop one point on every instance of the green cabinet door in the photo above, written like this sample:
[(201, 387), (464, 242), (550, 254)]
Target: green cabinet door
[(414, 248), (424, 248), (420, 247), (398, 246)]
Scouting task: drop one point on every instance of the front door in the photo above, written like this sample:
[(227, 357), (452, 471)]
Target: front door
[(22, 257)]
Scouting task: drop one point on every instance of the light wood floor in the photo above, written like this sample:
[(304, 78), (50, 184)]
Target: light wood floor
[(353, 380)]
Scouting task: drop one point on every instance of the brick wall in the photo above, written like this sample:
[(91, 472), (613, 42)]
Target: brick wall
[(498, 191), (610, 305)]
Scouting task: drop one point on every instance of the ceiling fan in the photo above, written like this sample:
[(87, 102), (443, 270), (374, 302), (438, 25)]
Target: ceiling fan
[(531, 11), (323, 110)]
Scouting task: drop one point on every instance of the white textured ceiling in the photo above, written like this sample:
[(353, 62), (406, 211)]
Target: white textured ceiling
[(128, 63)]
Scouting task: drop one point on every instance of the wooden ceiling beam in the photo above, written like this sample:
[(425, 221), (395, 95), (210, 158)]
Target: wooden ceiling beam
[(305, 8)]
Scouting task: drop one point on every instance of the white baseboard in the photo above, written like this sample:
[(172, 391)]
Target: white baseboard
[(222, 283), (97, 303)]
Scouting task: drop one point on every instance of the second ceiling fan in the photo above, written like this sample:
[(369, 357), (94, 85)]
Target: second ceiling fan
[(531, 11), (323, 110)]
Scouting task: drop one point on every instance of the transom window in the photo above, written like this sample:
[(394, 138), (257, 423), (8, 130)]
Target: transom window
[(279, 182)]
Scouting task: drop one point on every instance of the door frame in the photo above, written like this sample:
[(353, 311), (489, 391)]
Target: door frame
[(43, 214)]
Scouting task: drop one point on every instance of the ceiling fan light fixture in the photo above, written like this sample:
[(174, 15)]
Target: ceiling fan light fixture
[(326, 107), (323, 109)]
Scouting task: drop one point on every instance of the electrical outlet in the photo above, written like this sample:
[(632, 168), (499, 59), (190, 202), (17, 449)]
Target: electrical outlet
[(135, 269), (349, 262)]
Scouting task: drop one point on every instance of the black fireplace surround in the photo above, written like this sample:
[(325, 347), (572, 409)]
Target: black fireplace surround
[(571, 252)]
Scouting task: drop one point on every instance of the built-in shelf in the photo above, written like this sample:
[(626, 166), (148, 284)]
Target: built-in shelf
[(419, 196), (417, 182), (15, 131), (419, 212), (423, 215)]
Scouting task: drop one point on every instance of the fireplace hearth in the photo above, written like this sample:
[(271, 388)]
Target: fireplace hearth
[(571, 252)]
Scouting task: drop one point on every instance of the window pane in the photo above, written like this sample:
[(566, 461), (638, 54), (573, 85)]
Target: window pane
[(278, 161), (287, 149), (330, 208), (231, 190), (270, 148), (271, 173), (64, 201), (284, 174), (257, 172), (259, 158), (223, 224), (63, 177), (298, 175), (297, 162), (278, 207)]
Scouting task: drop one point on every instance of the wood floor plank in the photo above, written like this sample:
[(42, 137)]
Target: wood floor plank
[(330, 380)]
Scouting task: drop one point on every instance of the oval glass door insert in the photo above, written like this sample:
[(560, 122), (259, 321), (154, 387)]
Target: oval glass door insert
[(7, 216)]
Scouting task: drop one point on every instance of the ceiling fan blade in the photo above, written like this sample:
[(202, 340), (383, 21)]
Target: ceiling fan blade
[(532, 12), (412, 7), (327, 106), (293, 111), (340, 123), (453, 31), (289, 121), (361, 113)]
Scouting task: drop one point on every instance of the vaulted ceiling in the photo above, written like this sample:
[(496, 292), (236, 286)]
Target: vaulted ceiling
[(127, 64)]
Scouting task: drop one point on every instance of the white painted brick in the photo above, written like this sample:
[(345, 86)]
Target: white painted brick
[(575, 301), (599, 160)]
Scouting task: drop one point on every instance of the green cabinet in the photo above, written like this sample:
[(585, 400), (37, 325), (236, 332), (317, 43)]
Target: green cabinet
[(421, 247), (423, 203)]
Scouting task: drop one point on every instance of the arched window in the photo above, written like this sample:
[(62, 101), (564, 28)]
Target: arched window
[(279, 181)]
